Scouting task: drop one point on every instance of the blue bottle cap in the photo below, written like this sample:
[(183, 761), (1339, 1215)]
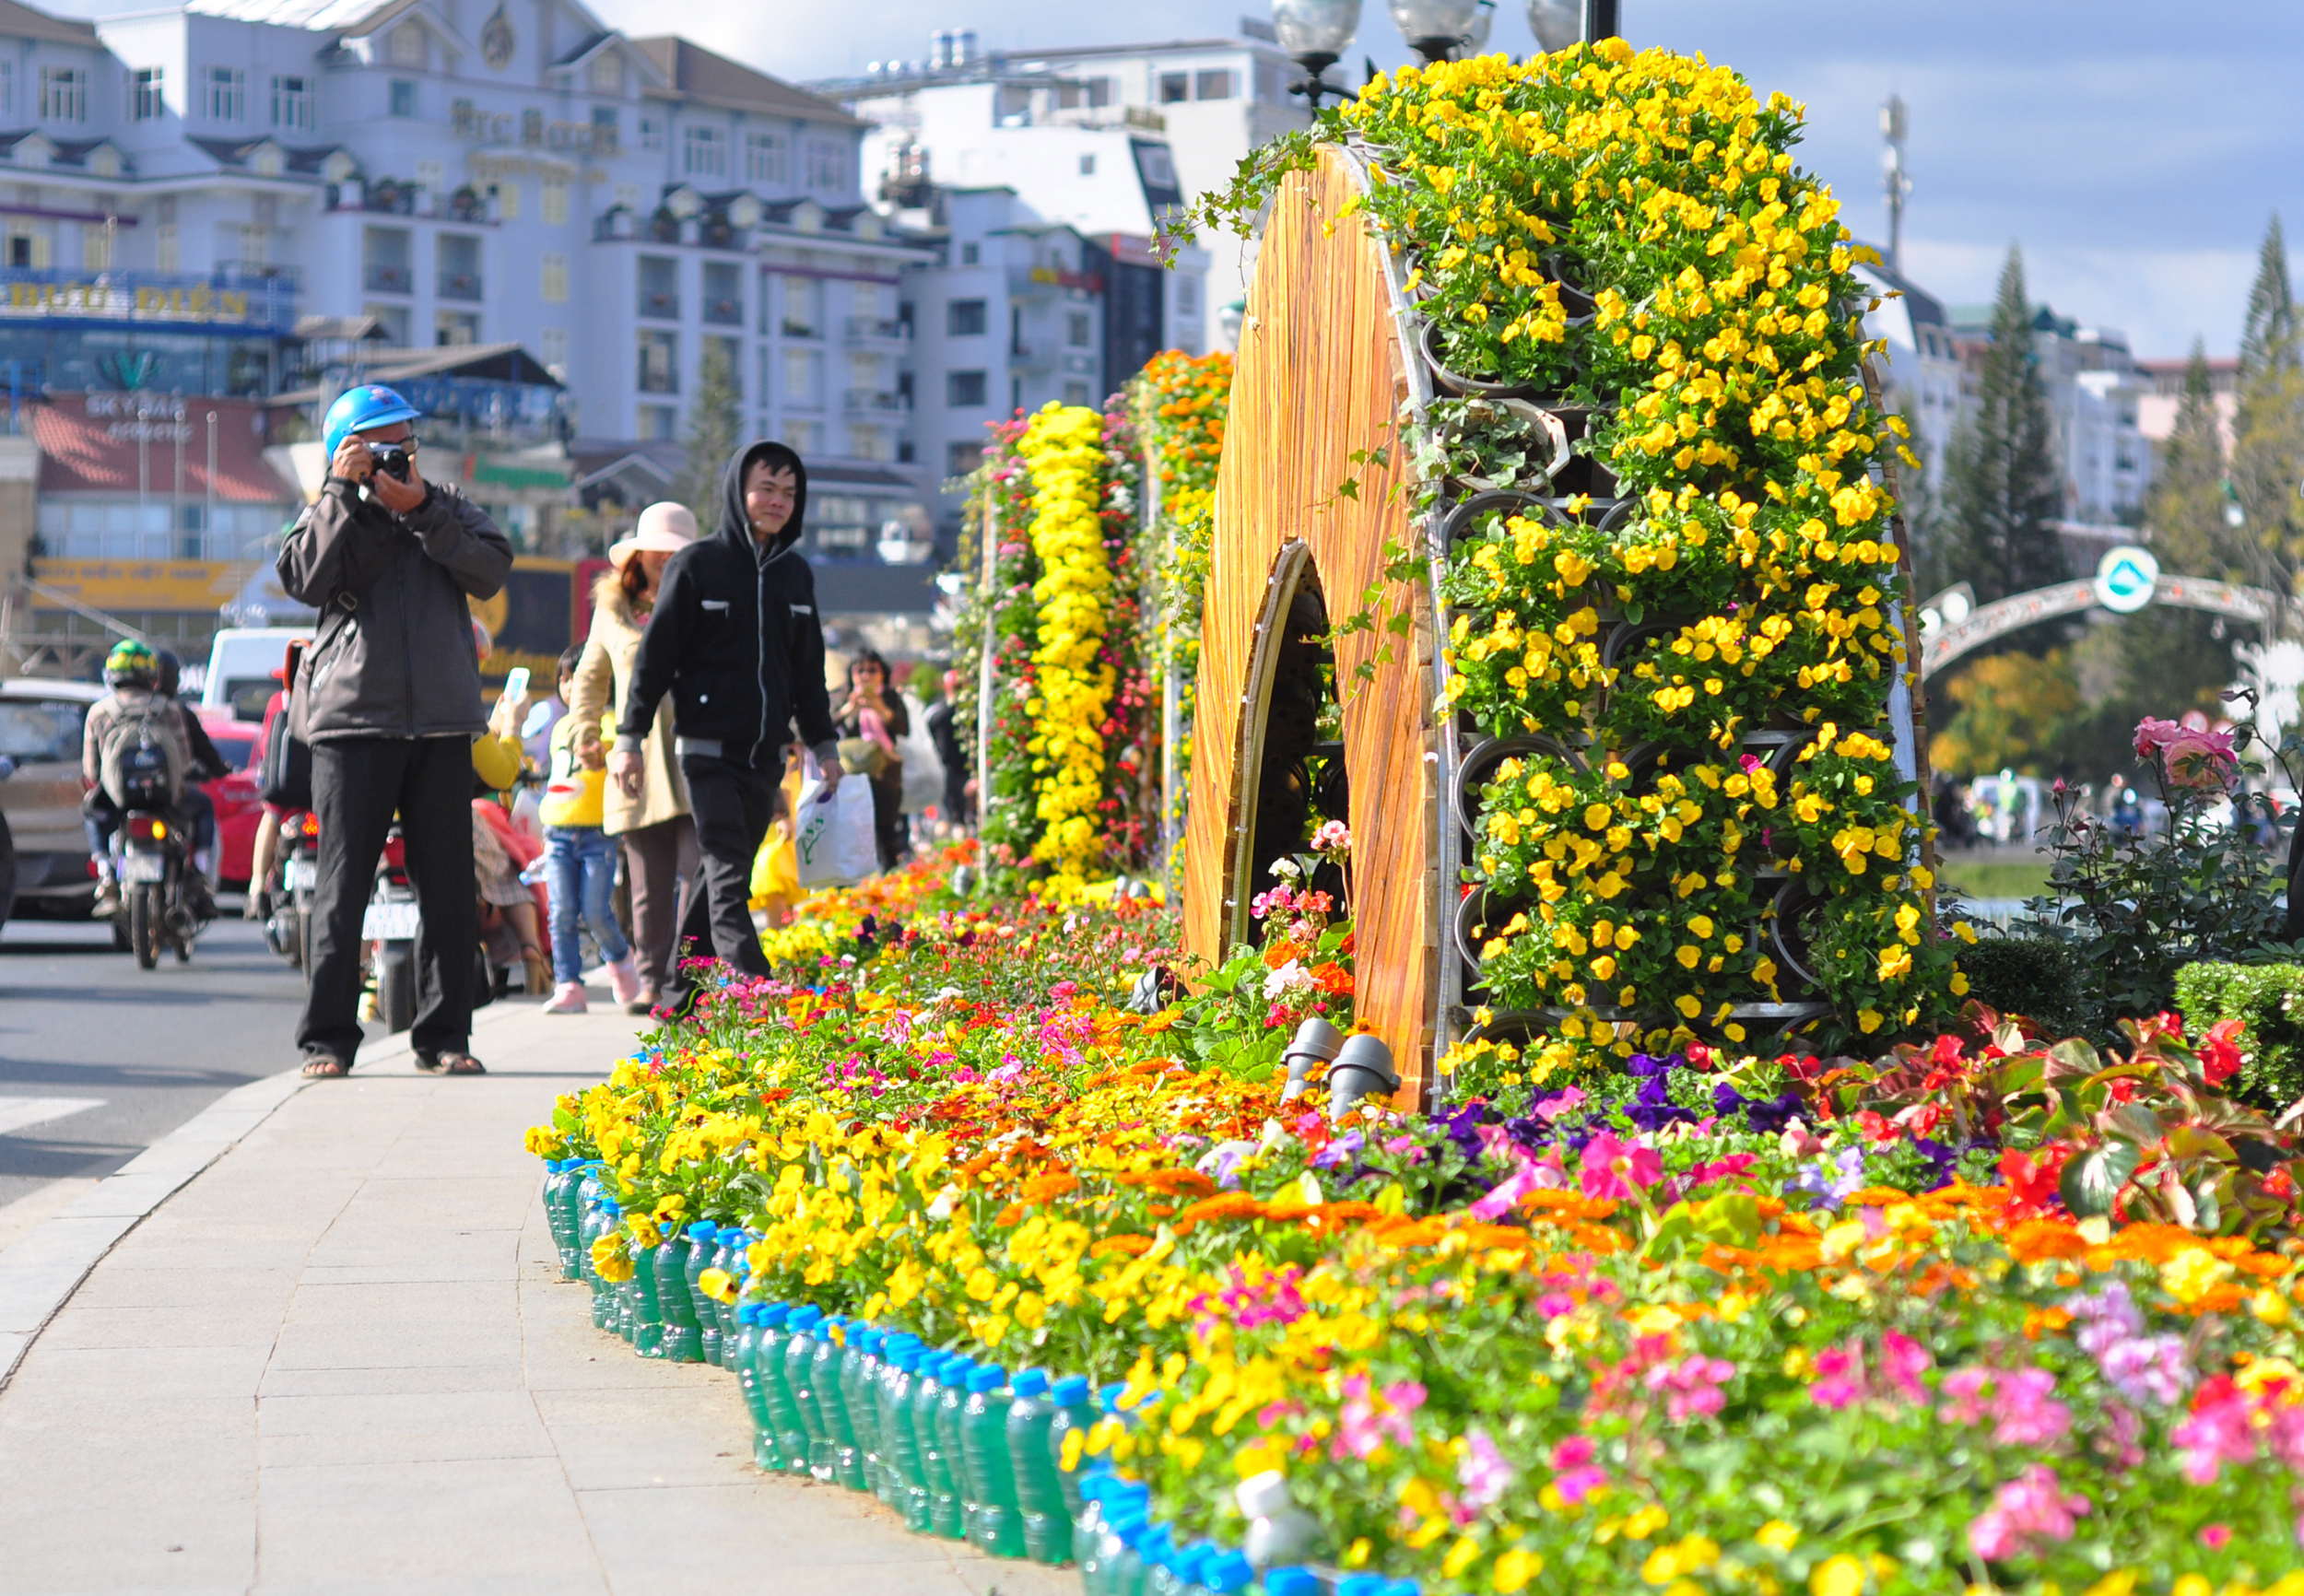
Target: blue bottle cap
[(985, 1377), (1403, 1588), (1031, 1382), (1125, 1522), (835, 1321), (1069, 1391), (747, 1313), (1225, 1572), (1156, 1543), (804, 1320), (867, 1340), (904, 1359), (1134, 1491), (901, 1338), (1185, 1564), (1363, 1585), (1107, 1397), (610, 1206), (956, 1369), (773, 1314), (1291, 1583), (1093, 1487), (702, 1229)]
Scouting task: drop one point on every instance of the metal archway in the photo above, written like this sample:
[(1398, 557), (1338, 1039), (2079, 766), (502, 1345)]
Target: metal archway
[(1940, 647)]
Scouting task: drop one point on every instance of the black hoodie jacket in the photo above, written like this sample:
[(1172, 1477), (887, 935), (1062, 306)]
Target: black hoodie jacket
[(734, 637)]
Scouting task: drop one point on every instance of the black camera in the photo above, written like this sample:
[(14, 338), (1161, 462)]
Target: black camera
[(392, 462)]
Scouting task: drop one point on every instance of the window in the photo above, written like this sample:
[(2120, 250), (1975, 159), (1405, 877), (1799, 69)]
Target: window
[(554, 285), (607, 72), (764, 158), (1087, 165), (532, 127), (150, 102), (458, 258), (658, 423), (1215, 84), (1075, 393), (827, 166), (455, 329), (96, 247), (1175, 87), (394, 319), (552, 345), (803, 307), (960, 459), (1187, 297), (1077, 329), (964, 318), (408, 44), (384, 257), (402, 97), (292, 103), (869, 441), (254, 243), (64, 94), (227, 93), (554, 203), (427, 175), (7, 87), (964, 390), (1101, 92), (723, 293), (165, 249), (804, 378), (1269, 84), (660, 288), (704, 152), (659, 368), (971, 254), (604, 134), (804, 437), (650, 133)]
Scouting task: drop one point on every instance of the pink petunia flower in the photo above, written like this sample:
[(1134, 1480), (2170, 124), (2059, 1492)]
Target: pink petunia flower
[(1614, 1168)]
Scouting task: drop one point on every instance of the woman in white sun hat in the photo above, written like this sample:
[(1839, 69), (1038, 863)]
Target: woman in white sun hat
[(659, 836)]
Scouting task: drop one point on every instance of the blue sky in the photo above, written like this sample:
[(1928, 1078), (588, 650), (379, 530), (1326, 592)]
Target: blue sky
[(2135, 150)]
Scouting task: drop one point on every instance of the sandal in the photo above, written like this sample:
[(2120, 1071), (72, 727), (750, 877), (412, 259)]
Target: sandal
[(449, 1065), (325, 1067), (539, 971)]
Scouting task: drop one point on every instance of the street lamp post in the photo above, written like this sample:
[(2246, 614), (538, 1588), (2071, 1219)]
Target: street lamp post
[(1434, 27), (1314, 34), (1562, 23)]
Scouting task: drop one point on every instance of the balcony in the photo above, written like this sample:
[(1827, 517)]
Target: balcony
[(459, 286), (723, 312), (380, 279), (1032, 355), (880, 329), (798, 329), (658, 380), (877, 401), (660, 305)]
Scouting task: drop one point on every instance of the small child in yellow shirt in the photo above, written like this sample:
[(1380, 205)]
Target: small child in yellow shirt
[(579, 859)]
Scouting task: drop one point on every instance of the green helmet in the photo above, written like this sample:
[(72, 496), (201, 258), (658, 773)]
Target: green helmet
[(131, 664)]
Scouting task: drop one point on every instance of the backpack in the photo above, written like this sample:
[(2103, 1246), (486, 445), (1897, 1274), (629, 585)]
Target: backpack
[(141, 762), (286, 778)]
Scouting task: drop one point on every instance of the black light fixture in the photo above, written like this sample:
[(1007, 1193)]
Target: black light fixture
[(1314, 34), (1434, 27)]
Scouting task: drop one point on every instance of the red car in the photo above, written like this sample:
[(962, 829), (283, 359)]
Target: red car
[(239, 801)]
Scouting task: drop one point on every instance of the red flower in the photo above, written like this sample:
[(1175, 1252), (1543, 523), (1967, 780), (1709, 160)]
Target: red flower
[(2221, 1051), (1876, 1129), (2033, 1180)]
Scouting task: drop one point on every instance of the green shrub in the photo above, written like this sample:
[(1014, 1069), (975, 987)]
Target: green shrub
[(2269, 1000), (2037, 976)]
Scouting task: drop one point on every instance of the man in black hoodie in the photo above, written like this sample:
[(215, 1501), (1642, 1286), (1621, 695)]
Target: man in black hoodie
[(735, 640)]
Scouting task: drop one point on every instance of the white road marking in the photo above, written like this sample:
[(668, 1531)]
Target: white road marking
[(19, 1113)]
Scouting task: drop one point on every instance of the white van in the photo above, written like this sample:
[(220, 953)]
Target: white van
[(241, 665)]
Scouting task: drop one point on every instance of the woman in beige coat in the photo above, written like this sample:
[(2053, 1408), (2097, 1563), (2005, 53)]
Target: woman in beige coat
[(659, 835)]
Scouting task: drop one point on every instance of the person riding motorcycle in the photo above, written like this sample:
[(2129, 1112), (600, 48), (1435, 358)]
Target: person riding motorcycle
[(142, 680)]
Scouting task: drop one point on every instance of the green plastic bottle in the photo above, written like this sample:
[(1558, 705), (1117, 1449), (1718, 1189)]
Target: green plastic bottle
[(730, 1260), (802, 1326), (648, 1339), (741, 1355), (842, 1462), (950, 1401), (594, 1222), (701, 1236), (682, 1343), (1040, 1498), (995, 1524), (561, 1210), (899, 1475), (1074, 1410), (767, 1363), (935, 1464), (859, 1370)]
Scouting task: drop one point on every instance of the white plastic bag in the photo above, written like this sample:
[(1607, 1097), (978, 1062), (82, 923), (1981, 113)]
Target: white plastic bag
[(834, 841), (923, 767)]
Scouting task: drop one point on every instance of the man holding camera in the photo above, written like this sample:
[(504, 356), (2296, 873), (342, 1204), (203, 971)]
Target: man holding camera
[(389, 697)]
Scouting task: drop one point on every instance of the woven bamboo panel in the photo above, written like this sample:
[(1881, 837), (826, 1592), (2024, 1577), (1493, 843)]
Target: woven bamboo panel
[(1320, 376)]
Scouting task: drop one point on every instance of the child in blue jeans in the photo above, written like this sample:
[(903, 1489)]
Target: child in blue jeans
[(580, 860)]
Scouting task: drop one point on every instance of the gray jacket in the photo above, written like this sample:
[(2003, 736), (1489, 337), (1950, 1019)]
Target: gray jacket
[(395, 655)]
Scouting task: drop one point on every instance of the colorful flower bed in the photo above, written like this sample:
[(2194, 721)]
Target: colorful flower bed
[(1987, 1315)]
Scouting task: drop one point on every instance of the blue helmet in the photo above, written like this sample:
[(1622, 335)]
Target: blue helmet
[(358, 409)]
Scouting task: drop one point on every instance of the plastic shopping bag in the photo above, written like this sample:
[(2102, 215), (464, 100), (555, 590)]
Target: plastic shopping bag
[(923, 767), (834, 841)]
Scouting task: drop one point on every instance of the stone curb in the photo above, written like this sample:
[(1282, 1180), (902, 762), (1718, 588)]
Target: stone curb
[(41, 1269)]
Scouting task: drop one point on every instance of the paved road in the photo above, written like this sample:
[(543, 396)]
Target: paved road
[(100, 1059)]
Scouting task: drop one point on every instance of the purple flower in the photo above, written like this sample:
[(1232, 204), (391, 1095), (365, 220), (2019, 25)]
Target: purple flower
[(1832, 1185)]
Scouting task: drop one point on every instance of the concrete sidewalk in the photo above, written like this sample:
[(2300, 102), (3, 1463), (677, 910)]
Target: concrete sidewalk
[(342, 1359)]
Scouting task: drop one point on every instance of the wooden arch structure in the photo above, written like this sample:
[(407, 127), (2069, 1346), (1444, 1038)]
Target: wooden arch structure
[(1318, 387)]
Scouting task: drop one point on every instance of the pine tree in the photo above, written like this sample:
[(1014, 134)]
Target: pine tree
[(2268, 428), (715, 419), (2002, 490)]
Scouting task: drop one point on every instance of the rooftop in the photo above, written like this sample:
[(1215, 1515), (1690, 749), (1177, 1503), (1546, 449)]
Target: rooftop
[(23, 22), (695, 73)]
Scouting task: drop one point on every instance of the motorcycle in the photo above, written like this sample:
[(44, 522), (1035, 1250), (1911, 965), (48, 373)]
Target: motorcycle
[(390, 927), (152, 862), (289, 888)]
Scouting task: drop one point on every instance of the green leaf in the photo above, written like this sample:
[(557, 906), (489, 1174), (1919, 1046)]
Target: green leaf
[(2091, 1181)]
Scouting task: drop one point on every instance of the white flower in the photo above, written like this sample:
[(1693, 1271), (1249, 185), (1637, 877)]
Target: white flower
[(1290, 977)]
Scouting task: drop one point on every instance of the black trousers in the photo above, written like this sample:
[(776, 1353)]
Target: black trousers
[(358, 783), (732, 805)]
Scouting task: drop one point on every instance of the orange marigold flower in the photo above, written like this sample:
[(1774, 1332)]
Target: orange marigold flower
[(2036, 1241), (1129, 1244)]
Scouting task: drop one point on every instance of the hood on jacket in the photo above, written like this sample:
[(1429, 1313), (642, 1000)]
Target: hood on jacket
[(735, 526)]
